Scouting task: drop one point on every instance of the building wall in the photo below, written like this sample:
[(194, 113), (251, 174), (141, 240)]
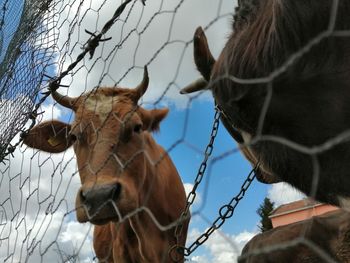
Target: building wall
[(295, 216)]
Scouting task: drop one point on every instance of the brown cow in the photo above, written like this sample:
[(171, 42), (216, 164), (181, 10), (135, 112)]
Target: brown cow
[(130, 188), (324, 238), (283, 85)]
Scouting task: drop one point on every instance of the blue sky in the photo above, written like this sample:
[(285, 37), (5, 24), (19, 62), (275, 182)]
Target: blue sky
[(226, 175), (13, 14), (224, 178)]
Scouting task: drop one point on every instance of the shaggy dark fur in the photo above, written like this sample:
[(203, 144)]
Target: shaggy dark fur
[(310, 101)]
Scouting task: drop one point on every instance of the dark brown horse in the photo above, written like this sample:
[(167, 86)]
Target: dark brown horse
[(283, 85)]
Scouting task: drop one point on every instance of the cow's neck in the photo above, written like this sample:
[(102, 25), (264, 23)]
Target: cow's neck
[(138, 239)]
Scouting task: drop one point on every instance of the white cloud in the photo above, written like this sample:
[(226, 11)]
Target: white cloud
[(37, 196), (221, 247), (283, 193), (78, 237), (36, 238), (50, 111), (199, 259), (75, 231), (188, 188), (156, 33)]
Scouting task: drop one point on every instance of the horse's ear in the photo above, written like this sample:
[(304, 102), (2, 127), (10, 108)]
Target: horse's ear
[(152, 118), (49, 136)]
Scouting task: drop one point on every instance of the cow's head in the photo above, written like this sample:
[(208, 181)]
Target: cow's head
[(108, 139)]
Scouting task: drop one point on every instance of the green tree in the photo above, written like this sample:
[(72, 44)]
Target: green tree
[(264, 211)]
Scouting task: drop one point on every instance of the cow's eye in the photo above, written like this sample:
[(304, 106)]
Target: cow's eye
[(138, 128)]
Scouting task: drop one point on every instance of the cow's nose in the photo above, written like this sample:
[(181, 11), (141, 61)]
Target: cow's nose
[(99, 195)]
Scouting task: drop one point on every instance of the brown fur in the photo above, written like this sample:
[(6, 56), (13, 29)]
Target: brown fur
[(328, 232)]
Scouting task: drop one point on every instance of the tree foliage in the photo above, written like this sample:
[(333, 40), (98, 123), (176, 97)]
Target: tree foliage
[(264, 211)]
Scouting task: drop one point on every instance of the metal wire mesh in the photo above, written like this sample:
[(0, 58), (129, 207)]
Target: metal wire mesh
[(40, 40), (24, 58)]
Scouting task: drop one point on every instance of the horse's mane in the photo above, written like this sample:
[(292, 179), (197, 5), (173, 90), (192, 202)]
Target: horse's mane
[(268, 32), (245, 12)]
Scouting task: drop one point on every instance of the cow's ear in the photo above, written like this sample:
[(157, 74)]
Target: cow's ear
[(152, 118), (49, 136)]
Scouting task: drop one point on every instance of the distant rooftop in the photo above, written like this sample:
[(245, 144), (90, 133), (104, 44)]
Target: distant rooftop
[(299, 205)]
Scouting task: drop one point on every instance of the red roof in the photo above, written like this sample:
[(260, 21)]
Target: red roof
[(294, 206)]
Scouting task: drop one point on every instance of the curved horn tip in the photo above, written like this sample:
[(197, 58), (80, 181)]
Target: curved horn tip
[(199, 32), (64, 101), (183, 91), (145, 80), (142, 87), (145, 73), (198, 85)]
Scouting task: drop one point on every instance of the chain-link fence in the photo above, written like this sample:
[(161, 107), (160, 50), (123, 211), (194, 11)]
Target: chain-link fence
[(78, 46)]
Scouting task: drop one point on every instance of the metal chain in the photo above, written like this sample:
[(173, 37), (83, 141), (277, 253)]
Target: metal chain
[(177, 252), (225, 212)]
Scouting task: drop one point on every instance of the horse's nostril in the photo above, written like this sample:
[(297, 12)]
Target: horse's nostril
[(82, 196), (116, 191)]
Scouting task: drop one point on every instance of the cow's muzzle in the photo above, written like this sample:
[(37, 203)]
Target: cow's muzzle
[(97, 203)]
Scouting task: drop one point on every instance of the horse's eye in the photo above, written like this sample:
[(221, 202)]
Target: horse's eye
[(72, 137), (138, 128), (75, 137)]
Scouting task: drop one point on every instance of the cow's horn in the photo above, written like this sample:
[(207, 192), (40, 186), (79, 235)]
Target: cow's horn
[(65, 101), (142, 87), (199, 84)]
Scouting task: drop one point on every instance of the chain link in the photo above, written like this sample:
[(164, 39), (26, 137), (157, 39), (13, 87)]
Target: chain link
[(225, 212), (177, 252)]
